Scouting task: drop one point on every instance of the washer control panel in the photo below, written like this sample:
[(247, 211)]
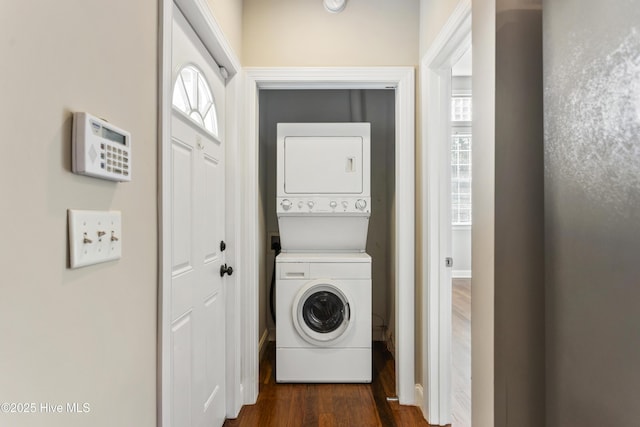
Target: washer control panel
[(323, 205)]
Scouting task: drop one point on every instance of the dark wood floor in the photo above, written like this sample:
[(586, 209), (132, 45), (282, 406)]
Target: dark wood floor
[(328, 405), (461, 352)]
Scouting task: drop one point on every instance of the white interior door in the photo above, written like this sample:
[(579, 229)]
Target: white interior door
[(197, 299)]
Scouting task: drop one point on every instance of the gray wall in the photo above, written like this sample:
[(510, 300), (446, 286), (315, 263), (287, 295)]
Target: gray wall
[(483, 198), (374, 106), (592, 211), (461, 250), (519, 241)]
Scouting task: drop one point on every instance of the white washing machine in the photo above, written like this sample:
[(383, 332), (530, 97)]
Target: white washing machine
[(323, 328), (323, 186), (323, 276)]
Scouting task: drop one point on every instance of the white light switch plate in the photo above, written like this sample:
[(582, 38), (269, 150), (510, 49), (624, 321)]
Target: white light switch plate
[(94, 237)]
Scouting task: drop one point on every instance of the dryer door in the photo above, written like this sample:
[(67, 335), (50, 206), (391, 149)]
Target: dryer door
[(323, 165), (322, 313)]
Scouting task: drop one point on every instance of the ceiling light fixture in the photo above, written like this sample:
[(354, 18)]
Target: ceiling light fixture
[(335, 6)]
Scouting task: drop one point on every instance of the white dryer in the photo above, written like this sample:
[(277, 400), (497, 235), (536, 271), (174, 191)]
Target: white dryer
[(323, 332), (323, 186)]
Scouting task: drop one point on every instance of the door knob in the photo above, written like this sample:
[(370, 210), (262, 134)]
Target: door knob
[(224, 269)]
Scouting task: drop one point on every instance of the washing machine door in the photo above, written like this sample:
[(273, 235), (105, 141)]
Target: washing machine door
[(322, 313)]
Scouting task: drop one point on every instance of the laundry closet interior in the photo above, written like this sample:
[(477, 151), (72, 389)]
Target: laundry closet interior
[(373, 106)]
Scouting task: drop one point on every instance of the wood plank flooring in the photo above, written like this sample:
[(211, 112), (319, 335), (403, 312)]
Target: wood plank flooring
[(461, 352), (329, 405)]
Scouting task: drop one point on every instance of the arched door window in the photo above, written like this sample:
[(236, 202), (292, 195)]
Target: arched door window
[(192, 96)]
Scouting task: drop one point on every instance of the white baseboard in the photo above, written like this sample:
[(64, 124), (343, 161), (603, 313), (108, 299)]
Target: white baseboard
[(419, 398), (378, 333), (262, 344), (391, 343), (461, 274)]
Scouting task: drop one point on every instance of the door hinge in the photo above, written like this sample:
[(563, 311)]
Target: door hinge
[(224, 73)]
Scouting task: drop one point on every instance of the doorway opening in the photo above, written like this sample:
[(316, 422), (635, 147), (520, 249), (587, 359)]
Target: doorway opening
[(436, 75), (375, 106), (461, 176), (183, 114), (400, 80)]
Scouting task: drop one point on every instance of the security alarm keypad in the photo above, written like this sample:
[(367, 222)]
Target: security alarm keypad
[(100, 149)]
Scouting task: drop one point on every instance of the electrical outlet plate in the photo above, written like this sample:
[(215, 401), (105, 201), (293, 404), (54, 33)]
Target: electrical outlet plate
[(273, 238), (94, 237)]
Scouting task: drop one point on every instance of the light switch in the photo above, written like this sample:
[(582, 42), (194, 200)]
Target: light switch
[(94, 237)]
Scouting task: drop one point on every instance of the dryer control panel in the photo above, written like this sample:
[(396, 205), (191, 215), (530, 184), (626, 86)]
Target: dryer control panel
[(323, 205)]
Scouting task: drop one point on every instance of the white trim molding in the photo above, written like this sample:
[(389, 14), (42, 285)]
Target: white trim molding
[(199, 15), (461, 274), (402, 80), (263, 343), (419, 393), (435, 74), (233, 231)]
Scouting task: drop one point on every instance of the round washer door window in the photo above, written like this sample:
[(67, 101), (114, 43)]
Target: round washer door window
[(321, 313)]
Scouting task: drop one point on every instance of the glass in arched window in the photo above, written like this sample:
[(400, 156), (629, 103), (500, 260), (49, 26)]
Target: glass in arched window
[(192, 96)]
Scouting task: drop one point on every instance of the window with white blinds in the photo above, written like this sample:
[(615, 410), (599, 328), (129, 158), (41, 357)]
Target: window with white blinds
[(461, 109), (461, 160)]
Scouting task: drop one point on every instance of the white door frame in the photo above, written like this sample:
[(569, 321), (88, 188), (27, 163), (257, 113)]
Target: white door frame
[(402, 80), (200, 18), (449, 46)]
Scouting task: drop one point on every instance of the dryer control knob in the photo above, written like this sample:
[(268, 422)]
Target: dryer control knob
[(361, 204), (300, 204), (286, 204), (311, 204), (333, 204), (345, 204)]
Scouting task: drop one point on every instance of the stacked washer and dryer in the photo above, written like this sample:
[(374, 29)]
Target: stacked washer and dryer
[(323, 275)]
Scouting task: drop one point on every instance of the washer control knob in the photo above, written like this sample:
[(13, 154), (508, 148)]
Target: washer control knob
[(286, 204), (300, 204), (361, 204), (311, 204), (345, 204), (333, 204)]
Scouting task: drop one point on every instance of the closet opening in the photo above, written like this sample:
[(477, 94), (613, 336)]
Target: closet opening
[(374, 106)]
